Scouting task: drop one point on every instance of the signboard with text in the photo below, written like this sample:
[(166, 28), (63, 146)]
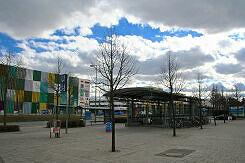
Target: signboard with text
[(84, 92), (237, 111)]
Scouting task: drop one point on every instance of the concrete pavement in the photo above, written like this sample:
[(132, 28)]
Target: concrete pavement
[(221, 143)]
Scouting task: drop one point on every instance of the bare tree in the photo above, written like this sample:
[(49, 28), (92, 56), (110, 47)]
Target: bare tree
[(10, 67), (59, 68), (214, 99), (171, 78), (223, 103), (201, 94), (237, 92), (116, 67)]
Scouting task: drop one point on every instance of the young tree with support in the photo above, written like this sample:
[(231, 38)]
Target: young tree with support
[(57, 86), (115, 67)]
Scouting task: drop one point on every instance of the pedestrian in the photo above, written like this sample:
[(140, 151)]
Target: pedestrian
[(149, 121), (230, 118)]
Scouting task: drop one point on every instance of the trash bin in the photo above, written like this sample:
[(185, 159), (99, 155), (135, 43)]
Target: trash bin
[(83, 121)]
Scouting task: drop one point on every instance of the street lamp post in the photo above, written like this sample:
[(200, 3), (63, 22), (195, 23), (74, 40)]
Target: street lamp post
[(95, 66)]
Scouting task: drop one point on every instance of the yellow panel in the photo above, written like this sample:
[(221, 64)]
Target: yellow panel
[(51, 78), (35, 97), (55, 99), (43, 106), (19, 96)]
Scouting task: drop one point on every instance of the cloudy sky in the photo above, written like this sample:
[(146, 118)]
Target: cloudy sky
[(206, 36)]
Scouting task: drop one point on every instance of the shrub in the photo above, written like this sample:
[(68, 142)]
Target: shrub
[(9, 128)]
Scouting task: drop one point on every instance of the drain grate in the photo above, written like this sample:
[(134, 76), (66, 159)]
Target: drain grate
[(175, 153)]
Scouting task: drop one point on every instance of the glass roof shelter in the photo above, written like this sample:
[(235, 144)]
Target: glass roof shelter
[(150, 106)]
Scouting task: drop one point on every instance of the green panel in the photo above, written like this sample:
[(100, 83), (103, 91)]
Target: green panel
[(27, 96), (12, 72), (20, 84), (10, 106), (71, 81), (2, 82), (75, 91), (44, 87), (34, 108), (82, 93), (75, 95), (70, 110), (12, 83), (50, 98), (2, 68), (57, 78), (63, 98), (1, 94), (36, 75), (75, 82), (43, 97)]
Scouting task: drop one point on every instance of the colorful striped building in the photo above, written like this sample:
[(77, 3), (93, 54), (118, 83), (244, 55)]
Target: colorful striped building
[(33, 91)]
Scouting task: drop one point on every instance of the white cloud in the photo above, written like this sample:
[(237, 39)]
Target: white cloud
[(212, 16), (41, 18), (215, 19)]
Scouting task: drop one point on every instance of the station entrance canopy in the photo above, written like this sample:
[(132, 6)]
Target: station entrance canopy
[(146, 94), (151, 106)]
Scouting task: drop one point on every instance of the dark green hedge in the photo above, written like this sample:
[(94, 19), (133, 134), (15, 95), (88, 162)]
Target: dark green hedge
[(71, 123), (9, 128), (219, 112), (120, 120), (30, 118)]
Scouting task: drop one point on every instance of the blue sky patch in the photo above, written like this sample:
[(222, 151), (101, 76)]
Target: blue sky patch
[(124, 28), (223, 55), (63, 32), (144, 83), (237, 36), (32, 44), (7, 43)]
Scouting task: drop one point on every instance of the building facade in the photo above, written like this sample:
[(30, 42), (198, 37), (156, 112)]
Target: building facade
[(33, 91)]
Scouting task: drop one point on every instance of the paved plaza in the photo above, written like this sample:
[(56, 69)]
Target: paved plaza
[(221, 143)]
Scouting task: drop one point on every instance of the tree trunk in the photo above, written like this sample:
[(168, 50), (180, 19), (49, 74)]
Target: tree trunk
[(200, 110), (5, 104), (5, 113), (113, 125), (56, 109), (173, 110)]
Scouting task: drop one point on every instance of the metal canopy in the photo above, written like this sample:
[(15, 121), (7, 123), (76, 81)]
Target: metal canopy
[(142, 93)]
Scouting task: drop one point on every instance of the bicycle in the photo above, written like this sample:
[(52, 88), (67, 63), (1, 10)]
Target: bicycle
[(195, 123), (178, 123)]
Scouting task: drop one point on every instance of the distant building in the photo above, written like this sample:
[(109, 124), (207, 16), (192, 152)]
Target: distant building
[(33, 91), (103, 102)]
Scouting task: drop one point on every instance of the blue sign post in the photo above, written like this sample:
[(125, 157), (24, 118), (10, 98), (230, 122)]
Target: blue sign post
[(108, 127)]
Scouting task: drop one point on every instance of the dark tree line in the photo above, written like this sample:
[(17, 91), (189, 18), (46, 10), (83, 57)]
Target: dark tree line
[(221, 103)]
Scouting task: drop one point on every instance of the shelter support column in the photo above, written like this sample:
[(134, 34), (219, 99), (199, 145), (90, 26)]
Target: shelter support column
[(130, 112)]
